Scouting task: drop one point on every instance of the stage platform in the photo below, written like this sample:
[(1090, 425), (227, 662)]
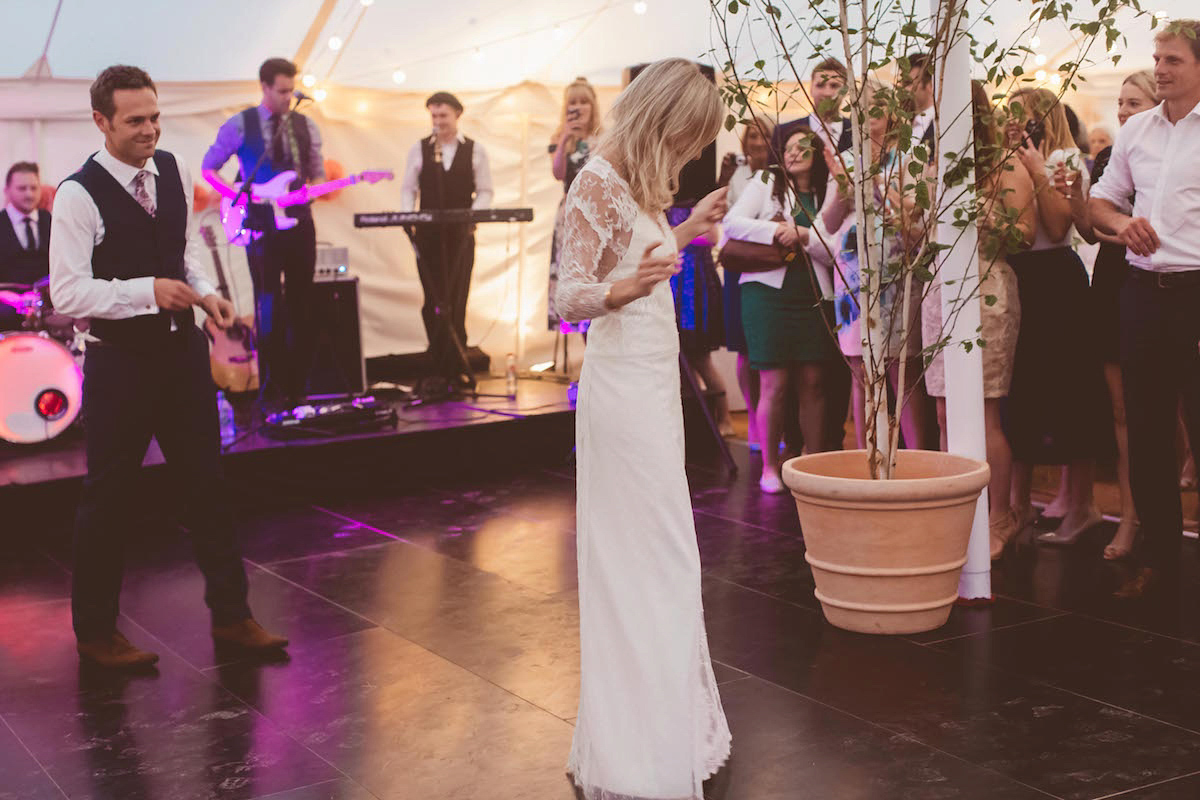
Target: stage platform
[(536, 425)]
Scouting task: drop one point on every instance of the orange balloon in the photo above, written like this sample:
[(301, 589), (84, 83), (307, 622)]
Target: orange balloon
[(202, 197), (46, 198), (333, 171)]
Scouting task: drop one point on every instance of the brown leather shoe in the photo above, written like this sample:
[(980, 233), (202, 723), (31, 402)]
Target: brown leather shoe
[(1142, 582), (249, 635), (115, 652)]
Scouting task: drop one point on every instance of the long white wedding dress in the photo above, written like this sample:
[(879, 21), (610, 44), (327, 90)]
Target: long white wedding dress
[(650, 721)]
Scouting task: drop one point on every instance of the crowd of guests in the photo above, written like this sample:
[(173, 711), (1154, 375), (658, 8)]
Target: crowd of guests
[(1058, 337)]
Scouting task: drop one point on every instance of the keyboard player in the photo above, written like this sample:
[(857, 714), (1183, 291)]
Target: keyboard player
[(445, 171)]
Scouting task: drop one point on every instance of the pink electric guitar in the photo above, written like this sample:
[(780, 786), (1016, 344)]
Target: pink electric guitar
[(278, 194)]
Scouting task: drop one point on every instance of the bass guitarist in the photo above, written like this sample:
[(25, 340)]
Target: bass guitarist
[(290, 141)]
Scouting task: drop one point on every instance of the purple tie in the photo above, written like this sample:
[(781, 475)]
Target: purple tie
[(142, 194)]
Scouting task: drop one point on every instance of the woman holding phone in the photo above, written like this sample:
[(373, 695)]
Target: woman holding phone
[(1054, 404), (569, 149)]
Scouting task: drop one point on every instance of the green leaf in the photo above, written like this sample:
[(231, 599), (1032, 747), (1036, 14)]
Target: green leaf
[(733, 6)]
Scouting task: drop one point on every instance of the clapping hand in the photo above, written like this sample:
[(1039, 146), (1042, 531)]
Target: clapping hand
[(787, 235)]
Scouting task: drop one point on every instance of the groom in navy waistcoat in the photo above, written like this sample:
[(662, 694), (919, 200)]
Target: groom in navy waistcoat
[(122, 254)]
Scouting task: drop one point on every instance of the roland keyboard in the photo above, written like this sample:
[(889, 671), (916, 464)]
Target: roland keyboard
[(449, 216)]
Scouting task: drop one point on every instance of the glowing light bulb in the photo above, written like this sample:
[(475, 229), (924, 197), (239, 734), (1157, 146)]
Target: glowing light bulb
[(1040, 75), (399, 76), (1040, 59), (1055, 79), (320, 94), (362, 107), (1035, 42), (309, 80), (640, 7), (1162, 16), (335, 43)]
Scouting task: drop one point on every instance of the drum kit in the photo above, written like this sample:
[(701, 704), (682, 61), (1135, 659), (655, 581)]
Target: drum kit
[(41, 367)]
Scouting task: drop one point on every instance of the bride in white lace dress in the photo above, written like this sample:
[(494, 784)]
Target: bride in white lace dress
[(650, 722)]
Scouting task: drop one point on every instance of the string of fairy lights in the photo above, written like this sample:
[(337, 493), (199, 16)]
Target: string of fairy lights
[(342, 26)]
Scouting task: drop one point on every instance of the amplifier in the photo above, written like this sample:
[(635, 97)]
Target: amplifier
[(333, 264), (337, 368)]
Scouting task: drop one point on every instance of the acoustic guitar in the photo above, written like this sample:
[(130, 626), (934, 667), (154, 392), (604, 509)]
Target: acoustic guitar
[(232, 355)]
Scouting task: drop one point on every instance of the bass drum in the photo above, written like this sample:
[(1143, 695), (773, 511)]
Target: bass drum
[(41, 388)]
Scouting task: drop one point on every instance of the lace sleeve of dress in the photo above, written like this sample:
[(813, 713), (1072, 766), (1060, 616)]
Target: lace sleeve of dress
[(597, 226)]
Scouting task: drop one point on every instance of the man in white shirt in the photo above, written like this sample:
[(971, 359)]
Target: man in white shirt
[(920, 85), (446, 170), (1149, 198), (826, 86), (24, 239), (122, 254)]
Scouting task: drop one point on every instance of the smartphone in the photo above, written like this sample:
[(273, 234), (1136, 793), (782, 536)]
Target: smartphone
[(1036, 131), (574, 114)]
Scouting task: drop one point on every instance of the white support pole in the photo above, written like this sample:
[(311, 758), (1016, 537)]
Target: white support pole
[(960, 266)]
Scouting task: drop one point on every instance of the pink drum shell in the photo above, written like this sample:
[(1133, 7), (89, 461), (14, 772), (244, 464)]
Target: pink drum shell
[(30, 364)]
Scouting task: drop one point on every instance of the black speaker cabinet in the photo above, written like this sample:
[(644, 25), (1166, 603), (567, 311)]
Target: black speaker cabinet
[(337, 367), (698, 177)]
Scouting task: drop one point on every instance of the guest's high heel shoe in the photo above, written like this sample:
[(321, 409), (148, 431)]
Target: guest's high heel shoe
[(1119, 551), (1064, 536), (1001, 530)]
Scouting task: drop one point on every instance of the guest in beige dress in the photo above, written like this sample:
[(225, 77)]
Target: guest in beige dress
[(999, 190)]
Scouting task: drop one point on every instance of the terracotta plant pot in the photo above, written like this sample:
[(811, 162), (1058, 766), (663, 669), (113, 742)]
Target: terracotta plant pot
[(886, 555)]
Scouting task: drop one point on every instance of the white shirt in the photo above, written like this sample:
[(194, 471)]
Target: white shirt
[(921, 123), (77, 228), (18, 223), (835, 130), (479, 164), (751, 219), (1169, 198)]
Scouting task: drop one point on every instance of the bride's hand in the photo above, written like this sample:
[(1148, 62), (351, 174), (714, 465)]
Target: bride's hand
[(651, 271)]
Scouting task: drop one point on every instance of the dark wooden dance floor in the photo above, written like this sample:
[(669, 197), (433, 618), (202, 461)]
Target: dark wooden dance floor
[(432, 609)]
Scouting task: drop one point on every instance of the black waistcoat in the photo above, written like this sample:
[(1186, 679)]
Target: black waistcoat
[(137, 245), (18, 265), (454, 187)]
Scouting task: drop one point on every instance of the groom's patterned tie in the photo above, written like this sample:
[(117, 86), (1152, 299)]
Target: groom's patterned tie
[(141, 194)]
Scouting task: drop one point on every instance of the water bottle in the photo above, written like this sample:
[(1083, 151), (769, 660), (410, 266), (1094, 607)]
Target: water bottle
[(510, 375), (225, 418)]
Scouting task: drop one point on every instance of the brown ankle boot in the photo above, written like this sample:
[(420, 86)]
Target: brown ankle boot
[(248, 634), (115, 652)]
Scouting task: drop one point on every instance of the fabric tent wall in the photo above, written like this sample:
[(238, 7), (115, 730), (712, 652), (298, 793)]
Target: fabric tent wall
[(362, 129)]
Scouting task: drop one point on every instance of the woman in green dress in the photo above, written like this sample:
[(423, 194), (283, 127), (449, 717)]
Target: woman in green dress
[(786, 319)]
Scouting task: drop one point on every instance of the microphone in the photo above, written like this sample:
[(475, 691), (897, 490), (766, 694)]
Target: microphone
[(299, 95)]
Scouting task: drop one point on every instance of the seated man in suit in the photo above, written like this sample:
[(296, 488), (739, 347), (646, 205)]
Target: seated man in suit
[(24, 238)]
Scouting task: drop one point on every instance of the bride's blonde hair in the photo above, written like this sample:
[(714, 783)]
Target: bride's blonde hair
[(659, 123)]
